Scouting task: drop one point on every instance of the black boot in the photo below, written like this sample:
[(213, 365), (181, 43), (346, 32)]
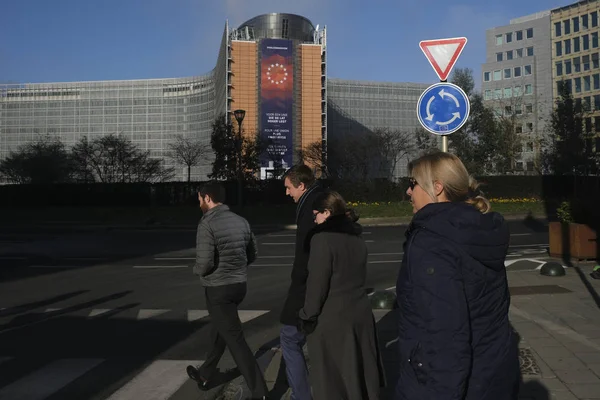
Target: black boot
[(194, 374)]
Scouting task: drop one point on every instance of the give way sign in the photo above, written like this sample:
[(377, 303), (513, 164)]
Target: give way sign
[(443, 53)]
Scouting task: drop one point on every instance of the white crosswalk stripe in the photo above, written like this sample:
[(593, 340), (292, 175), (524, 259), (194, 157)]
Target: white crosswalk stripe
[(149, 313), (194, 315), (48, 380), (159, 381)]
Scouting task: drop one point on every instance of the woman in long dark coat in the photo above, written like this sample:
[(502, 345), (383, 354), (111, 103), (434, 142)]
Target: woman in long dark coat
[(342, 339), (456, 341)]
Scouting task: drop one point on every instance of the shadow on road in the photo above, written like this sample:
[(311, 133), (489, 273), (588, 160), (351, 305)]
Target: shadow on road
[(62, 251), (121, 344)]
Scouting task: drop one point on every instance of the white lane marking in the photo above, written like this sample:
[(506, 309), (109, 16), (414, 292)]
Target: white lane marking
[(150, 313), (277, 244), (391, 288), (194, 315), (159, 266), (48, 310), (530, 245), (385, 261), (369, 241), (48, 380), (270, 265), (174, 258), (158, 381), (247, 315), (98, 311), (259, 257)]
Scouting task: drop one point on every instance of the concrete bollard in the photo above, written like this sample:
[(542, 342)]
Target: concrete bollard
[(552, 269)]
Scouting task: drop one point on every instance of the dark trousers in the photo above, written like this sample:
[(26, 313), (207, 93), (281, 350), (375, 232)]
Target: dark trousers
[(226, 331)]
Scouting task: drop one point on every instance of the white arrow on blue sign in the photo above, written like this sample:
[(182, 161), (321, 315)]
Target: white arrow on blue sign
[(443, 108)]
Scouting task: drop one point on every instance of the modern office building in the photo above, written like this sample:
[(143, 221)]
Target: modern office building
[(517, 81), (273, 66), (575, 60), (528, 59)]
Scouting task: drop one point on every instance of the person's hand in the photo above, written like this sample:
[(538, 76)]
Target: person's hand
[(306, 327)]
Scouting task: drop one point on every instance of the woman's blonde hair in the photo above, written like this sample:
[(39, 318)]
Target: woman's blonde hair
[(448, 170)]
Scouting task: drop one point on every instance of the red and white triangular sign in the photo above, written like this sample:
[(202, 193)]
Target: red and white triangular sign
[(443, 53)]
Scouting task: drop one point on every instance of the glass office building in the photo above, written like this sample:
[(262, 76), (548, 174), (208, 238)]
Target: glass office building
[(273, 66)]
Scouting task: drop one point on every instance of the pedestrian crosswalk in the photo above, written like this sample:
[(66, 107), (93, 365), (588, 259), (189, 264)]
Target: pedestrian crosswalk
[(86, 378), (114, 377), (48, 380), (158, 380), (144, 313)]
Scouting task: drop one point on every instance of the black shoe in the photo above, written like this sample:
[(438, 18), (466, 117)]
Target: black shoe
[(194, 374), (595, 274)]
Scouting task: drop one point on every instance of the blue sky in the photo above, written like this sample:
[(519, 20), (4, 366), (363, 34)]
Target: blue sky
[(88, 40)]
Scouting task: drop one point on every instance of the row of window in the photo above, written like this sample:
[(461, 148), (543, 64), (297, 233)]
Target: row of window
[(83, 104), (507, 73), (506, 93), (586, 101), (585, 21), (582, 84), (509, 36), (576, 45), (517, 53), (577, 64)]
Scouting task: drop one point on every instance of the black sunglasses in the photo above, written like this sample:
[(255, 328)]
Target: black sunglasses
[(412, 182)]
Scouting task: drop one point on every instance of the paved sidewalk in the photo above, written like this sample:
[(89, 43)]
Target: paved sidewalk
[(557, 320), (560, 333)]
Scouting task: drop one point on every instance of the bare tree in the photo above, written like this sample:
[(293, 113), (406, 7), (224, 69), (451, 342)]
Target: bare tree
[(312, 155), (112, 158), (188, 152), (392, 145), (426, 142)]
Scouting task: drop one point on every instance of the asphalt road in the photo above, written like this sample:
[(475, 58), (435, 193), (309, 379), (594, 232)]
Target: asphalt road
[(119, 315)]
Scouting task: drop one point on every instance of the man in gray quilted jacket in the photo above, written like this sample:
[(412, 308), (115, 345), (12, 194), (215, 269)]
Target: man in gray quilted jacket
[(225, 246)]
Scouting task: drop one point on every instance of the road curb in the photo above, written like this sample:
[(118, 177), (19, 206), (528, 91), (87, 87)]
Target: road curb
[(365, 222)]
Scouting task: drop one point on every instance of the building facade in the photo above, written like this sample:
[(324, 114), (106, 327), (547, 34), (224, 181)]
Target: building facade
[(517, 82), (358, 106), (575, 60), (273, 66)]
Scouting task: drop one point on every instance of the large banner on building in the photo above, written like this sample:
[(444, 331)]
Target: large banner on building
[(277, 99)]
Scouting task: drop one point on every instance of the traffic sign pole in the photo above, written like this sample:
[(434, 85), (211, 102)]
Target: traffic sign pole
[(445, 137), (442, 54)]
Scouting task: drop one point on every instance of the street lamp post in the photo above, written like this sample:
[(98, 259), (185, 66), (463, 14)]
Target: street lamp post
[(239, 117)]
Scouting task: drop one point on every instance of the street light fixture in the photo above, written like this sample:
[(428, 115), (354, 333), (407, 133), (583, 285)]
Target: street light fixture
[(239, 116)]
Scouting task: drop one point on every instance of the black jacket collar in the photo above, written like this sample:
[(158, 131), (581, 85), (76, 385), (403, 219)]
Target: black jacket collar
[(337, 224)]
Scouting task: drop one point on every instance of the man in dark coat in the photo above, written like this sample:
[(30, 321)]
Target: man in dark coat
[(300, 184), (225, 246)]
